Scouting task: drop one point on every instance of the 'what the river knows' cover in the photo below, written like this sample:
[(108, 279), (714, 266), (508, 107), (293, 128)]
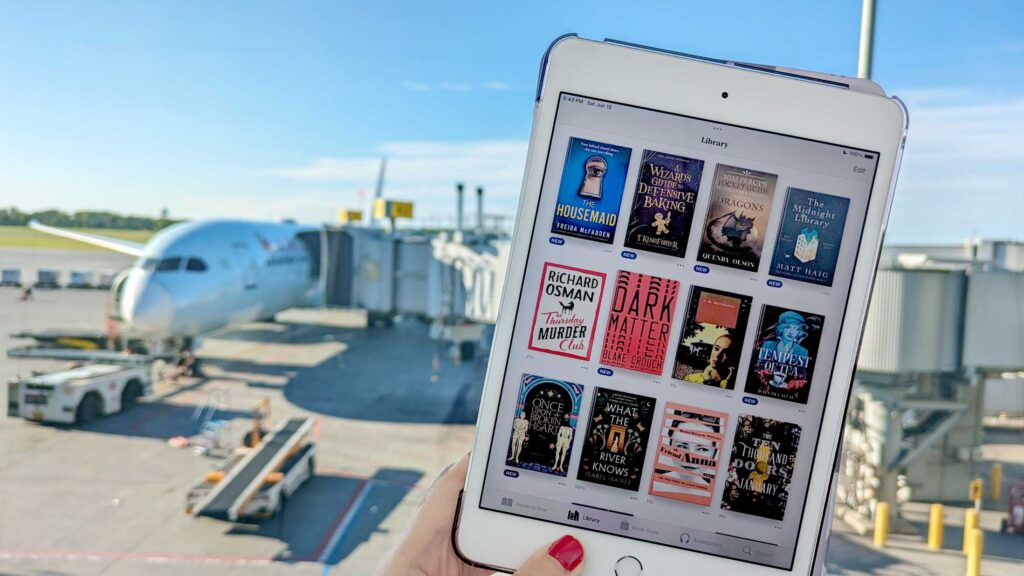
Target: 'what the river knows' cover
[(590, 192), (616, 444)]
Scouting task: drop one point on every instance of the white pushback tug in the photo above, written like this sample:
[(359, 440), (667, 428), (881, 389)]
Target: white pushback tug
[(80, 394)]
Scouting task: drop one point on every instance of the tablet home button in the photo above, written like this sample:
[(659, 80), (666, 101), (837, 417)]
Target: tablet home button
[(628, 566)]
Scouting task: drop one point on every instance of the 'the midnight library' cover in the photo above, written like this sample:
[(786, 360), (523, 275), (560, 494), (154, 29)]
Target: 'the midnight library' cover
[(666, 191), (639, 322), (590, 191), (686, 465), (737, 220), (810, 234), (544, 425), (761, 467), (782, 363), (712, 340), (567, 306), (616, 442)]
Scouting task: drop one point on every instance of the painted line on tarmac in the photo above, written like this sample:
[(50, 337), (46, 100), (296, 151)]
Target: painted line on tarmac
[(349, 515), (318, 551), (136, 556)]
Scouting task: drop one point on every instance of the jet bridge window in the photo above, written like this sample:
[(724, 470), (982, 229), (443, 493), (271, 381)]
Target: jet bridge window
[(169, 264), (195, 265)]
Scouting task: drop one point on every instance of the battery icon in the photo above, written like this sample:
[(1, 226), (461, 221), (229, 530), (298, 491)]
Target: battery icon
[(869, 156)]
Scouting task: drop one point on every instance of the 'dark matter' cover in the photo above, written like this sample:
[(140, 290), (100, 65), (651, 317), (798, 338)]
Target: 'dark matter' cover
[(637, 334)]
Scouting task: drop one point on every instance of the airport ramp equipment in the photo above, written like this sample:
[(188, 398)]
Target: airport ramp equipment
[(232, 493)]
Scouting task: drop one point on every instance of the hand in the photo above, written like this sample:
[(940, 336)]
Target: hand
[(425, 549)]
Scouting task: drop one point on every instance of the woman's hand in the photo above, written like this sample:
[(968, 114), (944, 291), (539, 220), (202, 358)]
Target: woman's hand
[(425, 549)]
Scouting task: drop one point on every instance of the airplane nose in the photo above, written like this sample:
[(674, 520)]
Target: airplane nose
[(151, 310)]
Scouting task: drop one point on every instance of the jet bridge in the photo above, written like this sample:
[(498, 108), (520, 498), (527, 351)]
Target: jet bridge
[(939, 328), (446, 277)]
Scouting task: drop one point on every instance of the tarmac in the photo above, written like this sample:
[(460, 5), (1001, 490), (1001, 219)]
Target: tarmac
[(392, 409)]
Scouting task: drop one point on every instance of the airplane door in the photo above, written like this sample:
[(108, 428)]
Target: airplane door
[(246, 261)]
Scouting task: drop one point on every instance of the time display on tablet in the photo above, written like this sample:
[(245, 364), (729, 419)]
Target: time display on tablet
[(673, 344)]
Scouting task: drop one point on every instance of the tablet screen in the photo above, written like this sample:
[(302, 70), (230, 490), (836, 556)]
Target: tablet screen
[(673, 344)]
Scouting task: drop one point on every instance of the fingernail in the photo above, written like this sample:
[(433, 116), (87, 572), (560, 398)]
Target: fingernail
[(567, 551)]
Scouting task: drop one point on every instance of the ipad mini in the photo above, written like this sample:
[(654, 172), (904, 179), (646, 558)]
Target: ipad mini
[(691, 266)]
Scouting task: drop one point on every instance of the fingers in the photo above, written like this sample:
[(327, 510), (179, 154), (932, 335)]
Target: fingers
[(444, 493), (564, 556)]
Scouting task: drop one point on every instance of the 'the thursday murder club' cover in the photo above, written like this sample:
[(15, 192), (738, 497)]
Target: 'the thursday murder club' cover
[(567, 308), (782, 363), (686, 466), (544, 425), (639, 322), (737, 219), (663, 205), (809, 236), (616, 442), (761, 468), (590, 191), (709, 349)]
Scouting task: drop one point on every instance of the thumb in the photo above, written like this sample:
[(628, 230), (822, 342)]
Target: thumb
[(563, 557)]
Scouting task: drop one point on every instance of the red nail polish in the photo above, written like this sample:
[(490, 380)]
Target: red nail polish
[(568, 551)]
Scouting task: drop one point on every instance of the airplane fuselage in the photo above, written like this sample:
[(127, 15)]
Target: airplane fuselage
[(196, 277)]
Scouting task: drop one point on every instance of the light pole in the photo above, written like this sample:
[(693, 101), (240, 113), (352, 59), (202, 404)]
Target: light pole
[(867, 39)]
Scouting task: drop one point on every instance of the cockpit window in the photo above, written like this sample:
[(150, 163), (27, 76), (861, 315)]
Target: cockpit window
[(195, 265), (149, 264), (169, 264)]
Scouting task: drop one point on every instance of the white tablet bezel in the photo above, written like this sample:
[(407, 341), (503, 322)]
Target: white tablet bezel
[(692, 87)]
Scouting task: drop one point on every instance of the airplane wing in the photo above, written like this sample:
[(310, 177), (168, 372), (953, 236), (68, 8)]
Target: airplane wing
[(123, 246)]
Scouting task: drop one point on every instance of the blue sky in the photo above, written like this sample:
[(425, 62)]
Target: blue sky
[(272, 109)]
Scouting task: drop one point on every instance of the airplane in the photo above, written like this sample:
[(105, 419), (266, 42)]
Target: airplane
[(200, 276)]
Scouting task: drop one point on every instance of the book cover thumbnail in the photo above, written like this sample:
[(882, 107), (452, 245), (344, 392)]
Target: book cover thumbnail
[(737, 219), (712, 339), (810, 234), (616, 443), (690, 444), (761, 467), (567, 307), (544, 425), (590, 192), (666, 191), (782, 363), (639, 322)]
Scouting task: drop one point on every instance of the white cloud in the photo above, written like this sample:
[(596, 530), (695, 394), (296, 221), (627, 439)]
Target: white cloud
[(416, 86), (424, 172), (963, 170), (448, 86)]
